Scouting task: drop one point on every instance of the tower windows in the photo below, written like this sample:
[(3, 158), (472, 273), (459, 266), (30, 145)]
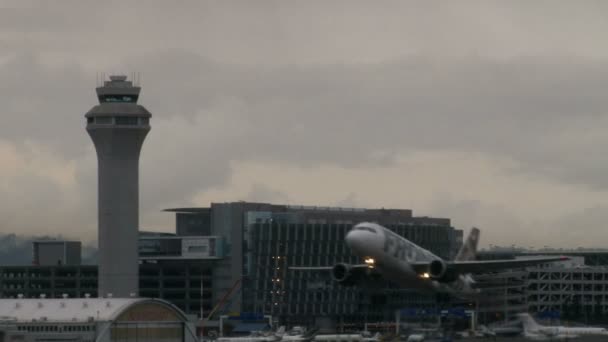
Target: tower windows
[(118, 120), (103, 120), (118, 98), (126, 120)]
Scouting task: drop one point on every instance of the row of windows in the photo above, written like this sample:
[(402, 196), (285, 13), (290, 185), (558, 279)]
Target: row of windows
[(119, 120), (6, 274), (55, 328), (292, 249), (437, 239), (118, 98)]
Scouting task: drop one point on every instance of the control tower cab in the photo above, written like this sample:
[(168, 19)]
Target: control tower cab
[(118, 127)]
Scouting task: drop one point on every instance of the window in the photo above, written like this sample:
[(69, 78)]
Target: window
[(103, 120), (197, 249), (118, 98), (126, 120), (366, 229)]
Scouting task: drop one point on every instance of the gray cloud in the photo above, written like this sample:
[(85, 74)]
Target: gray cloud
[(354, 114), (306, 84), (499, 225), (265, 194)]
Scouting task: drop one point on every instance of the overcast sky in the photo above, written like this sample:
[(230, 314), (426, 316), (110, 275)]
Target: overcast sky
[(490, 113)]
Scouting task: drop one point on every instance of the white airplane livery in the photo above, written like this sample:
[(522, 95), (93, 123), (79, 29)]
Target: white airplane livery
[(535, 331), (403, 262)]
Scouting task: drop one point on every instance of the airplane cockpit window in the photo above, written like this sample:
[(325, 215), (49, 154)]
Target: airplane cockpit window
[(372, 230)]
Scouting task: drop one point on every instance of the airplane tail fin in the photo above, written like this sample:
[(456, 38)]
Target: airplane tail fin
[(528, 322), (280, 331), (468, 251), (486, 331)]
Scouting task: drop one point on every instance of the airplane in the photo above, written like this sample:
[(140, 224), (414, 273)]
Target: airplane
[(535, 331), (257, 336), (361, 337), (299, 334), (394, 258)]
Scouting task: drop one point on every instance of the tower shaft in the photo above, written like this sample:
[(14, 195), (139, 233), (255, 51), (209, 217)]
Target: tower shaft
[(118, 210)]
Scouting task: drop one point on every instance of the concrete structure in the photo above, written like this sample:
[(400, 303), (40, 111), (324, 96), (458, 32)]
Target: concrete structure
[(57, 252), (50, 281), (93, 319), (118, 127), (504, 295), (570, 289)]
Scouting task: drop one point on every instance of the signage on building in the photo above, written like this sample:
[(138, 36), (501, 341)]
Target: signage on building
[(201, 247)]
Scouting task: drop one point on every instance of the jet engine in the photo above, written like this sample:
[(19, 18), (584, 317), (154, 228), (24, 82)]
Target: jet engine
[(440, 271), (346, 275)]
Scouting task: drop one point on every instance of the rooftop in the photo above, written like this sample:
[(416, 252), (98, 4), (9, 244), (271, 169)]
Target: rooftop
[(67, 309)]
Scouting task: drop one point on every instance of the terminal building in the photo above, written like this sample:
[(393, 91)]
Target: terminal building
[(233, 258)]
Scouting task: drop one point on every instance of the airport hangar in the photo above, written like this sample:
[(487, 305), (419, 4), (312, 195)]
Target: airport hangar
[(93, 320), (241, 252)]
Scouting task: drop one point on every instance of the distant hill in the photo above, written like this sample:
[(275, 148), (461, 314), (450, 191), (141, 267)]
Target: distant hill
[(16, 250)]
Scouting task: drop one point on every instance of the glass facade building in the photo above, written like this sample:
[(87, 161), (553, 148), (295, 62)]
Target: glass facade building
[(300, 297)]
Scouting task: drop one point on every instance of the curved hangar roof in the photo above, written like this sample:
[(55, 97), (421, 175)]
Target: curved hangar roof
[(89, 309)]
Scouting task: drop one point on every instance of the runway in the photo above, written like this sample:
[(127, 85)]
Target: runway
[(522, 339)]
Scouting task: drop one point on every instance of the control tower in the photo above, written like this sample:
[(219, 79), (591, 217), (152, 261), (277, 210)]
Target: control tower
[(118, 127)]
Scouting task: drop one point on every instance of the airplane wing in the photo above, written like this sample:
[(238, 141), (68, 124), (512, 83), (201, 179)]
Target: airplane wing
[(322, 268), (486, 266)]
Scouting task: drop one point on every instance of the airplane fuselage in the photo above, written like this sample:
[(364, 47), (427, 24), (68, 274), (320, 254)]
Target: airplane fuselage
[(393, 255), (540, 332)]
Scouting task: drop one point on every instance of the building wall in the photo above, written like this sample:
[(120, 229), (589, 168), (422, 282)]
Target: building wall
[(574, 292), (52, 281), (49, 253), (178, 282), (228, 221), (196, 223), (73, 252), (503, 295), (573, 289)]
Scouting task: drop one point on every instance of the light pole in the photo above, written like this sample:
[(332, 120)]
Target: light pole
[(202, 316)]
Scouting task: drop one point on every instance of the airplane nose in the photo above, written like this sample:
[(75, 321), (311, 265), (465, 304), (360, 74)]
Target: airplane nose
[(354, 239)]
